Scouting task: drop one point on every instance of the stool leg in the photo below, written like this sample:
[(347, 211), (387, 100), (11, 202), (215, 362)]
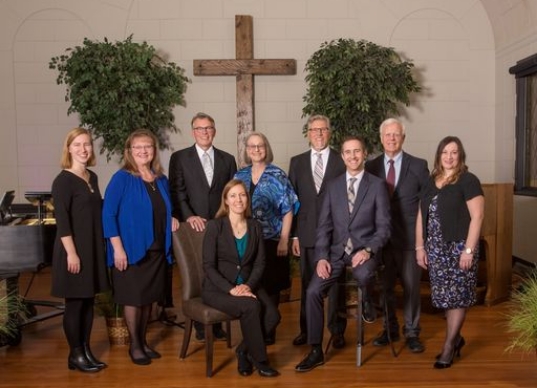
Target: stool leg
[(359, 328)]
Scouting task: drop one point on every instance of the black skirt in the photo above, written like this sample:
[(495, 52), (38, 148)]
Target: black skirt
[(141, 283)]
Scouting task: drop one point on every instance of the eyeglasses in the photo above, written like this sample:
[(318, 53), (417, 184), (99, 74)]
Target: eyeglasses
[(144, 147), (256, 147), (204, 129), (320, 130)]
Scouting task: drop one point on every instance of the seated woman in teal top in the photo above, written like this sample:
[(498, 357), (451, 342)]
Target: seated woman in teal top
[(233, 263)]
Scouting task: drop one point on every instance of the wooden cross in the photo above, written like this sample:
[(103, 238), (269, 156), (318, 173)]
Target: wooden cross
[(244, 67)]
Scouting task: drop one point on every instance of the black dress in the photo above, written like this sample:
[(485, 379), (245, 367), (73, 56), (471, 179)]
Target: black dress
[(144, 282), (77, 209)]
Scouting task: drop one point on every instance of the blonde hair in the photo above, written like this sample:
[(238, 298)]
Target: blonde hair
[(128, 160), (66, 160), (223, 210)]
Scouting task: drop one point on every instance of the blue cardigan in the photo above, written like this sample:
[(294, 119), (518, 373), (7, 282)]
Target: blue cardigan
[(127, 213)]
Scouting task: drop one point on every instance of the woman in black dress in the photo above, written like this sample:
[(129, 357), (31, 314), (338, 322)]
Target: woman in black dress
[(233, 263), (447, 240), (78, 264), (137, 225)]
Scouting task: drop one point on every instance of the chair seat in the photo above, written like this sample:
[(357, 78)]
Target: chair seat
[(202, 313)]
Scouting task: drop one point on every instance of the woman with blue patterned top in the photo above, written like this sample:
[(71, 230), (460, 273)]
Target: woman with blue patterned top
[(273, 202)]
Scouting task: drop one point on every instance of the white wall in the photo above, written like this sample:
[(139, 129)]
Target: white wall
[(450, 42)]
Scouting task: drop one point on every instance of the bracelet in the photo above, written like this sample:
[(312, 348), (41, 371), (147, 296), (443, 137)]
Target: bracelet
[(420, 248)]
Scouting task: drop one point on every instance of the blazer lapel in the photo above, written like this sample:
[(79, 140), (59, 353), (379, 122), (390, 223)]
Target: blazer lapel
[(228, 231), (405, 165)]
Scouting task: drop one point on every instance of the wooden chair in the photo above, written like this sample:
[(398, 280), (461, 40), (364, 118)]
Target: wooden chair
[(187, 248)]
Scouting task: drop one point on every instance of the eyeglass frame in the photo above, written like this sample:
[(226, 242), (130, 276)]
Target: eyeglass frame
[(204, 129), (322, 130), (143, 147)]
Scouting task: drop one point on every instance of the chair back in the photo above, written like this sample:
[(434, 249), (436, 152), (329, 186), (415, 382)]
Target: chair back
[(187, 249)]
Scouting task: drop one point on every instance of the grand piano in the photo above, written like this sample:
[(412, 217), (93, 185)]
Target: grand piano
[(27, 234)]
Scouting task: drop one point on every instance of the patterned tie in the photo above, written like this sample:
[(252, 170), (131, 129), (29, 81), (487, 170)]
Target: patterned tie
[(318, 172), (390, 177), (208, 167), (351, 195)]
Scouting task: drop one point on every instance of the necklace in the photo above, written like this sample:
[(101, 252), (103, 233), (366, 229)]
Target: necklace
[(87, 179), (153, 187), (239, 229)]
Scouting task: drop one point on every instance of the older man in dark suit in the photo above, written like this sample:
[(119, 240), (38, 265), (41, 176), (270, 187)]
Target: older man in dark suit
[(354, 225), (405, 175), (309, 173), (198, 175)]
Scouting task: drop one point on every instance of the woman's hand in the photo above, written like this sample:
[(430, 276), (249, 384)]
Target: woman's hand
[(120, 260), (175, 224), (242, 290), (465, 261), (421, 257), (295, 247), (283, 247), (73, 263)]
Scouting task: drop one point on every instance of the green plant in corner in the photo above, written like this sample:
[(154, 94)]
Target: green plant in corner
[(13, 311), (119, 87), (106, 307), (357, 84), (522, 318)]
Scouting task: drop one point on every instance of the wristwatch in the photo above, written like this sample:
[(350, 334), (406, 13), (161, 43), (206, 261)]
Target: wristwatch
[(369, 250), (468, 251)]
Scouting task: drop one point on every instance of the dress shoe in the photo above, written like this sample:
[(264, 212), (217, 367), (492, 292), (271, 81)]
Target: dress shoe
[(457, 352), (91, 358), (244, 366), (383, 340), (300, 339), (77, 360), (219, 334), (338, 342), (440, 364), (314, 358), (369, 314), (141, 360), (415, 345), (152, 353), (267, 371)]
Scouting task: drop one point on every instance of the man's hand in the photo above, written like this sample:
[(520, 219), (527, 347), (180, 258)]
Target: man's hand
[(197, 223), (323, 269)]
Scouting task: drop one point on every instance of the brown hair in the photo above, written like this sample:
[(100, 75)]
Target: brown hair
[(128, 160), (354, 137), (269, 155), (461, 167), (223, 210), (66, 161)]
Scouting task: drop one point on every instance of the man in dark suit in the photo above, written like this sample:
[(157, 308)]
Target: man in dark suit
[(354, 225), (309, 173), (408, 177), (198, 175)]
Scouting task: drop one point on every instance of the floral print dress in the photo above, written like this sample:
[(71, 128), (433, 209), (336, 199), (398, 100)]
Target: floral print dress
[(451, 287)]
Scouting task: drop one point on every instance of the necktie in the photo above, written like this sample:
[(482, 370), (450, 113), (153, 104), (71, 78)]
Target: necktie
[(351, 195), (390, 177), (318, 172), (208, 167)]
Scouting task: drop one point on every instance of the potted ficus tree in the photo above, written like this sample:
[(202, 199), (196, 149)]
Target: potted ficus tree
[(357, 84), (118, 87), (115, 321), (12, 312)]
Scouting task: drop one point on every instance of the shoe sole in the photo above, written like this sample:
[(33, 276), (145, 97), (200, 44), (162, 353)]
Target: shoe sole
[(312, 367)]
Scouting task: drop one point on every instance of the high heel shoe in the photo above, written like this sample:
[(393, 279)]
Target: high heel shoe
[(143, 360), (460, 343), (439, 364)]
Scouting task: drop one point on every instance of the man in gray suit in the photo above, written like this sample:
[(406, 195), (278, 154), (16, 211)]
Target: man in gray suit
[(354, 225), (409, 175), (309, 173), (198, 175)]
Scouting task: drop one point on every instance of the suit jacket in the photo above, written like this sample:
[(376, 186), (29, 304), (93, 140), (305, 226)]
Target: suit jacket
[(221, 261), (301, 177), (405, 199), (190, 192), (368, 225)]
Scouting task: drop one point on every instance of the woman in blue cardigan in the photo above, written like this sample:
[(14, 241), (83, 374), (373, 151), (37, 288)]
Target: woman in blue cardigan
[(137, 224)]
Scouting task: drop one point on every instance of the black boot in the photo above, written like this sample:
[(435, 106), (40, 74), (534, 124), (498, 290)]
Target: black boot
[(78, 360), (91, 358)]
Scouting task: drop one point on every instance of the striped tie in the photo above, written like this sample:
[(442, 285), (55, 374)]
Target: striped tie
[(390, 177), (351, 195), (318, 172), (208, 167)]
